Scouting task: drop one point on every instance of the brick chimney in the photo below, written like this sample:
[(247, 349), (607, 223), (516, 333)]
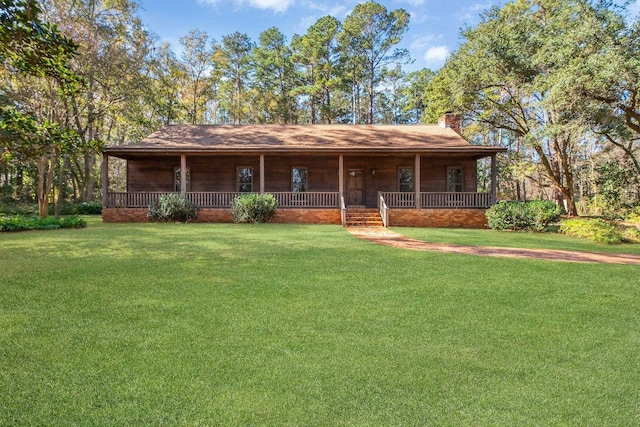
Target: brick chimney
[(451, 120)]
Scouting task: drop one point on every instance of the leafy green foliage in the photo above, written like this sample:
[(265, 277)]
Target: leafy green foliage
[(22, 223), (594, 229), (87, 208), (523, 216), (172, 207), (254, 208), (619, 189), (32, 46)]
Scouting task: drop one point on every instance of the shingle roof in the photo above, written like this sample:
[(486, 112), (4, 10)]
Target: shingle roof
[(302, 138)]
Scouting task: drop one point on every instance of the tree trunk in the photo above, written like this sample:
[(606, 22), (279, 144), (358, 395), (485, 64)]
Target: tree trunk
[(88, 175), (45, 180)]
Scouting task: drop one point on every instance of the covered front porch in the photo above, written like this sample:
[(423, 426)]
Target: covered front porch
[(385, 183)]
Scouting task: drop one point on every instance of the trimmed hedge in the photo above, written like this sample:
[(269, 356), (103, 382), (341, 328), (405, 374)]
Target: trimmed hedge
[(535, 215), (252, 207)]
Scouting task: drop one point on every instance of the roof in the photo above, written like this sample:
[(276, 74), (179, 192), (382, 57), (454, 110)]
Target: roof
[(317, 139)]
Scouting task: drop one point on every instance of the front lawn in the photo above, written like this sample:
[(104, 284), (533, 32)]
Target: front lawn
[(203, 324)]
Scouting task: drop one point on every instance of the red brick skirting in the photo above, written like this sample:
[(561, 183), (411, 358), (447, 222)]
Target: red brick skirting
[(445, 218), (284, 216), (438, 218)]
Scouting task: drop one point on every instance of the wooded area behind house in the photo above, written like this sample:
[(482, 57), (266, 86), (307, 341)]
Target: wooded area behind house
[(556, 81)]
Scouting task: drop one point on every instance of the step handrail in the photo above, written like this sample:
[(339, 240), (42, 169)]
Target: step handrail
[(384, 210)]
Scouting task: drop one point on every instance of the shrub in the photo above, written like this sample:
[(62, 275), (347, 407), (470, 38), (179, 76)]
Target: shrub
[(87, 208), (530, 216), (254, 208), (172, 207), (595, 230), (634, 214), (21, 223)]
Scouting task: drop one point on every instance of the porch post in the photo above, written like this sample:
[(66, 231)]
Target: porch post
[(261, 173), (341, 174), (494, 180), (416, 183), (105, 180), (183, 175)]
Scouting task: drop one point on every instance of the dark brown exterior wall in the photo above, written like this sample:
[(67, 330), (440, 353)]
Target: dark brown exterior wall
[(438, 218), (219, 173)]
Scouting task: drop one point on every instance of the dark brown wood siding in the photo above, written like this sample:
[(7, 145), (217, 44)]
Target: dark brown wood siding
[(218, 173)]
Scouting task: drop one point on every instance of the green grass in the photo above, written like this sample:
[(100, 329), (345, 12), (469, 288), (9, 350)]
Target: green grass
[(514, 239), (173, 324)]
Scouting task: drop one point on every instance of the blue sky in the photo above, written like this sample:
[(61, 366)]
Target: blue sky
[(433, 31)]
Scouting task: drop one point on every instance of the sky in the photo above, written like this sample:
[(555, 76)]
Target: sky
[(434, 28)]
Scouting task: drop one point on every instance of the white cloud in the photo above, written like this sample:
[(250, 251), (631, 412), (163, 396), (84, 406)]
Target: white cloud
[(275, 5), (413, 2), (424, 41), (436, 56)]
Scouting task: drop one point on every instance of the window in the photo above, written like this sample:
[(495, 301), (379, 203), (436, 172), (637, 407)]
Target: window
[(299, 179), (454, 180), (405, 179), (177, 174), (245, 179)]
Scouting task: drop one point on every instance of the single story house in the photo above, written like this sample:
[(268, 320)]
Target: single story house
[(405, 175)]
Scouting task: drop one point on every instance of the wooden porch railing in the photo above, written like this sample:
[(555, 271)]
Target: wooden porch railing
[(306, 199), (212, 199), (438, 200), (384, 210), (224, 199), (133, 200), (456, 200), (399, 200)]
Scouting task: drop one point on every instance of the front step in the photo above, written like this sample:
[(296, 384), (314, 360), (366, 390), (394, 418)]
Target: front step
[(360, 217)]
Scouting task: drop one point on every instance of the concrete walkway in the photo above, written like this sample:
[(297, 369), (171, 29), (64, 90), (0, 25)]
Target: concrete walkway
[(383, 236)]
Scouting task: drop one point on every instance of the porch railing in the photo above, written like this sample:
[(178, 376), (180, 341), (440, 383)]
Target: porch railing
[(306, 199), (456, 200), (212, 199), (133, 200), (438, 200), (384, 209), (224, 199)]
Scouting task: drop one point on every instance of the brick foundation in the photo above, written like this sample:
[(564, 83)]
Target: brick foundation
[(283, 216), (438, 218), (444, 218)]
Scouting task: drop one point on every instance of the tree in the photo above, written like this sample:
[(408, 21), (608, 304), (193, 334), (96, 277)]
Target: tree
[(40, 53), (316, 54), (275, 78), (413, 92), (368, 34), (234, 60), (517, 71), (197, 60)]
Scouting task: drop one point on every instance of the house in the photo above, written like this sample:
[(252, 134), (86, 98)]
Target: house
[(409, 175)]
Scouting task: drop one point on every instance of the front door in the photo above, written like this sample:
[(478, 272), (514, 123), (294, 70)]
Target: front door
[(355, 187)]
